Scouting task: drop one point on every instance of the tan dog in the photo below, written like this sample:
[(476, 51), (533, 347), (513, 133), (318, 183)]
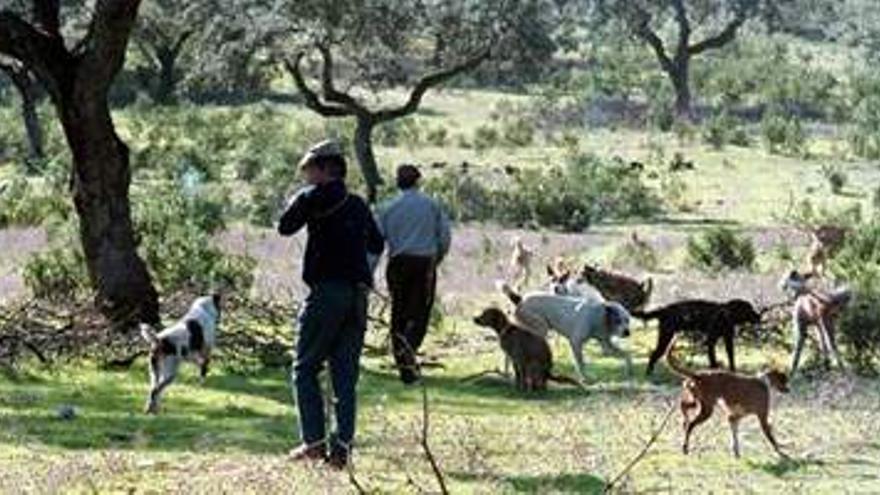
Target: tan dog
[(826, 240), (739, 395), (812, 307), (520, 262)]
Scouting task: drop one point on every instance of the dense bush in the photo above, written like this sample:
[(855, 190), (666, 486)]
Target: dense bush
[(572, 196), (723, 129), (175, 232), (864, 137), (720, 248), (835, 176), (858, 264), (783, 134), (31, 202)]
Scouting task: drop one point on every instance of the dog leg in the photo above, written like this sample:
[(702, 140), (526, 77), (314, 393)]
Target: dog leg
[(204, 361), (711, 342), (728, 346), (800, 337), (664, 337), (826, 335), (734, 435), (577, 350), (169, 372), (608, 348), (768, 432), (704, 414)]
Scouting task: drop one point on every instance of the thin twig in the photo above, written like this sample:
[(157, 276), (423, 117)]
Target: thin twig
[(610, 485), (441, 480)]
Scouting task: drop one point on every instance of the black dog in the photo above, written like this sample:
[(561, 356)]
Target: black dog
[(712, 319)]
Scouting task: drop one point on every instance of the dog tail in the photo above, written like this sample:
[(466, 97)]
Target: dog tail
[(566, 380), (648, 288), (508, 291), (149, 334), (675, 366), (646, 315)]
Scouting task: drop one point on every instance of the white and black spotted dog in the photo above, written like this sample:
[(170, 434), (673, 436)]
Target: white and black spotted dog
[(192, 339)]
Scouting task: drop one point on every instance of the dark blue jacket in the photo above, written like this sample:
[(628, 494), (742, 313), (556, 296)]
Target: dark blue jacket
[(341, 230)]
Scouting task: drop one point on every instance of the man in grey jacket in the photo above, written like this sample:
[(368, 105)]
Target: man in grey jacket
[(418, 236)]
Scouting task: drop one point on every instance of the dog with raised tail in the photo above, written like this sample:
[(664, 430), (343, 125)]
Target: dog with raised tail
[(739, 395), (192, 339)]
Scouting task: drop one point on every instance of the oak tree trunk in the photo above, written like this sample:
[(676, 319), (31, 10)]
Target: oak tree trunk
[(680, 78), (100, 183), (363, 149)]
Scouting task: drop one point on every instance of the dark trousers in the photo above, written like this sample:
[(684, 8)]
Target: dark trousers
[(331, 329), (412, 281)]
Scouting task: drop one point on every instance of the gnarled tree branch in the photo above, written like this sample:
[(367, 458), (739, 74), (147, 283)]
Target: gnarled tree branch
[(313, 101)]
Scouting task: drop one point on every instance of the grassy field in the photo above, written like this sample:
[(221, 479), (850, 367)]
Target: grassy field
[(231, 434)]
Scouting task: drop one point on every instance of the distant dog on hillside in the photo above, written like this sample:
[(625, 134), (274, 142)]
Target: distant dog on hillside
[(190, 339), (739, 395), (521, 262), (530, 354), (813, 307), (825, 241), (713, 320)]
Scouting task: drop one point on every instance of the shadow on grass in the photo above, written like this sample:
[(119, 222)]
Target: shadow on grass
[(784, 466), (564, 483)]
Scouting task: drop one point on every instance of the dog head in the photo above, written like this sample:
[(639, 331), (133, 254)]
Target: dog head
[(795, 282), (617, 319), (777, 379), (492, 318), (742, 311)]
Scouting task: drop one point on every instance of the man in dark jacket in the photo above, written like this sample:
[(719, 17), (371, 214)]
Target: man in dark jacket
[(343, 244)]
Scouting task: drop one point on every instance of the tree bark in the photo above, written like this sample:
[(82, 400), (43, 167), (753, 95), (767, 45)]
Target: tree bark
[(27, 91), (680, 78), (78, 82), (100, 182), (363, 149)]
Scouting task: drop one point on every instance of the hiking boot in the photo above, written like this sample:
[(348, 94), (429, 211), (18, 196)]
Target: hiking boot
[(338, 458), (314, 452)]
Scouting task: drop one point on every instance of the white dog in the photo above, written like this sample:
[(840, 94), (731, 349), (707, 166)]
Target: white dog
[(578, 319), (190, 339)]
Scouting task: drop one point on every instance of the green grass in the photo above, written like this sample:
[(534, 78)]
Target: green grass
[(233, 433)]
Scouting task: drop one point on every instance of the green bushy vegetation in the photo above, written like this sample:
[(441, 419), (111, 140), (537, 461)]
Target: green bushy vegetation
[(571, 196), (720, 248)]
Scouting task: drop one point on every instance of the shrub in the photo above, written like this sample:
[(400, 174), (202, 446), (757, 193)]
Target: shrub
[(571, 197), (518, 132), (723, 129), (720, 248), (858, 263), (437, 136), (485, 137), (864, 137), (835, 176), (783, 134), (31, 202), (175, 234)]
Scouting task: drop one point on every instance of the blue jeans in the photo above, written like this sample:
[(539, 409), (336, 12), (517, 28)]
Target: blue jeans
[(331, 328)]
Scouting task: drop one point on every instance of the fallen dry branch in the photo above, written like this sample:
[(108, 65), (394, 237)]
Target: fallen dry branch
[(641, 455), (251, 332)]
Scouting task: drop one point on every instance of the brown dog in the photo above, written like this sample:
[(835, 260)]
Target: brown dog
[(613, 286), (530, 354), (739, 395)]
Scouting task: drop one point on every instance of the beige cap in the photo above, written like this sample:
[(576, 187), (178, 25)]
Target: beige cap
[(329, 147)]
